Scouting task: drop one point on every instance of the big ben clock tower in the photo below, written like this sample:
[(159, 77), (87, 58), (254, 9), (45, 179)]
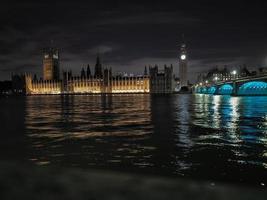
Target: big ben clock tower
[(183, 66), (51, 64)]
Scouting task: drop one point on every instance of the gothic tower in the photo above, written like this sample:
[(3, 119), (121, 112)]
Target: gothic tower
[(51, 64), (183, 66), (98, 68)]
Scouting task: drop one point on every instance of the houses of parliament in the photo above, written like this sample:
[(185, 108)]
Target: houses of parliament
[(102, 81)]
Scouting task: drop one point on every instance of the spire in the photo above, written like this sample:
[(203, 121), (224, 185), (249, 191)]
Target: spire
[(183, 39), (52, 46), (183, 51), (97, 59), (88, 71), (145, 72), (70, 74), (83, 73), (98, 67), (183, 44)]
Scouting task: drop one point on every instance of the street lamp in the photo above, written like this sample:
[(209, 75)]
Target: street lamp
[(234, 73), (206, 81)]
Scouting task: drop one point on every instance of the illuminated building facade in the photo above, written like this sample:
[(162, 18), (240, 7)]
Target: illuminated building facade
[(101, 82), (88, 85)]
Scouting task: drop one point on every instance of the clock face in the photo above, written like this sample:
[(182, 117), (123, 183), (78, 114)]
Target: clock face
[(183, 57)]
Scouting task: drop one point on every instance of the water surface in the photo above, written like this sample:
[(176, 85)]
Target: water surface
[(215, 138)]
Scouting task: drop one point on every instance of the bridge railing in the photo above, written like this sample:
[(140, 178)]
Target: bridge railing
[(231, 80)]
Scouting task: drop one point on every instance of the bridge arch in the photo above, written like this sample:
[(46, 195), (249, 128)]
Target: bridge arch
[(201, 90), (211, 90), (204, 90), (198, 89), (225, 89), (253, 88)]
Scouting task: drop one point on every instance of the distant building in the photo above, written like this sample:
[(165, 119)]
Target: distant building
[(263, 70), (225, 74), (243, 71), (217, 74), (161, 81), (51, 64), (183, 66)]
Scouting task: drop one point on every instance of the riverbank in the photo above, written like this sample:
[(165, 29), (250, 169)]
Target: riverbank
[(20, 181)]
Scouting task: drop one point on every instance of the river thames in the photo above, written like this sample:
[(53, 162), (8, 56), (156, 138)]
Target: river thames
[(203, 137)]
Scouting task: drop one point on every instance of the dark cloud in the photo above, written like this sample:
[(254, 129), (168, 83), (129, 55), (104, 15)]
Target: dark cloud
[(130, 35)]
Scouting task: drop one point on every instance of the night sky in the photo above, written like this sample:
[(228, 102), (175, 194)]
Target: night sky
[(130, 35)]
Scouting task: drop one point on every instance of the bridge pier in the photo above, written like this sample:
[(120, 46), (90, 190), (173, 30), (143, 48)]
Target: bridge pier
[(217, 90), (235, 89)]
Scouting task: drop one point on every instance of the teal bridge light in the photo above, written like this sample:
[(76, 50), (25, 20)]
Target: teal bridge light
[(253, 88), (226, 89), (211, 90), (204, 90)]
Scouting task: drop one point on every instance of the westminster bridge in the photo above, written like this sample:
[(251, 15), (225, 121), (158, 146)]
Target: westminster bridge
[(243, 86)]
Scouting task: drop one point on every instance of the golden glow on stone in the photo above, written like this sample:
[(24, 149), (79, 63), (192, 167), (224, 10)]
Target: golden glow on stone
[(88, 86)]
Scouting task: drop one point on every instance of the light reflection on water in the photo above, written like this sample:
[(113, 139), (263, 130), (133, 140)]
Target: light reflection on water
[(197, 136)]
